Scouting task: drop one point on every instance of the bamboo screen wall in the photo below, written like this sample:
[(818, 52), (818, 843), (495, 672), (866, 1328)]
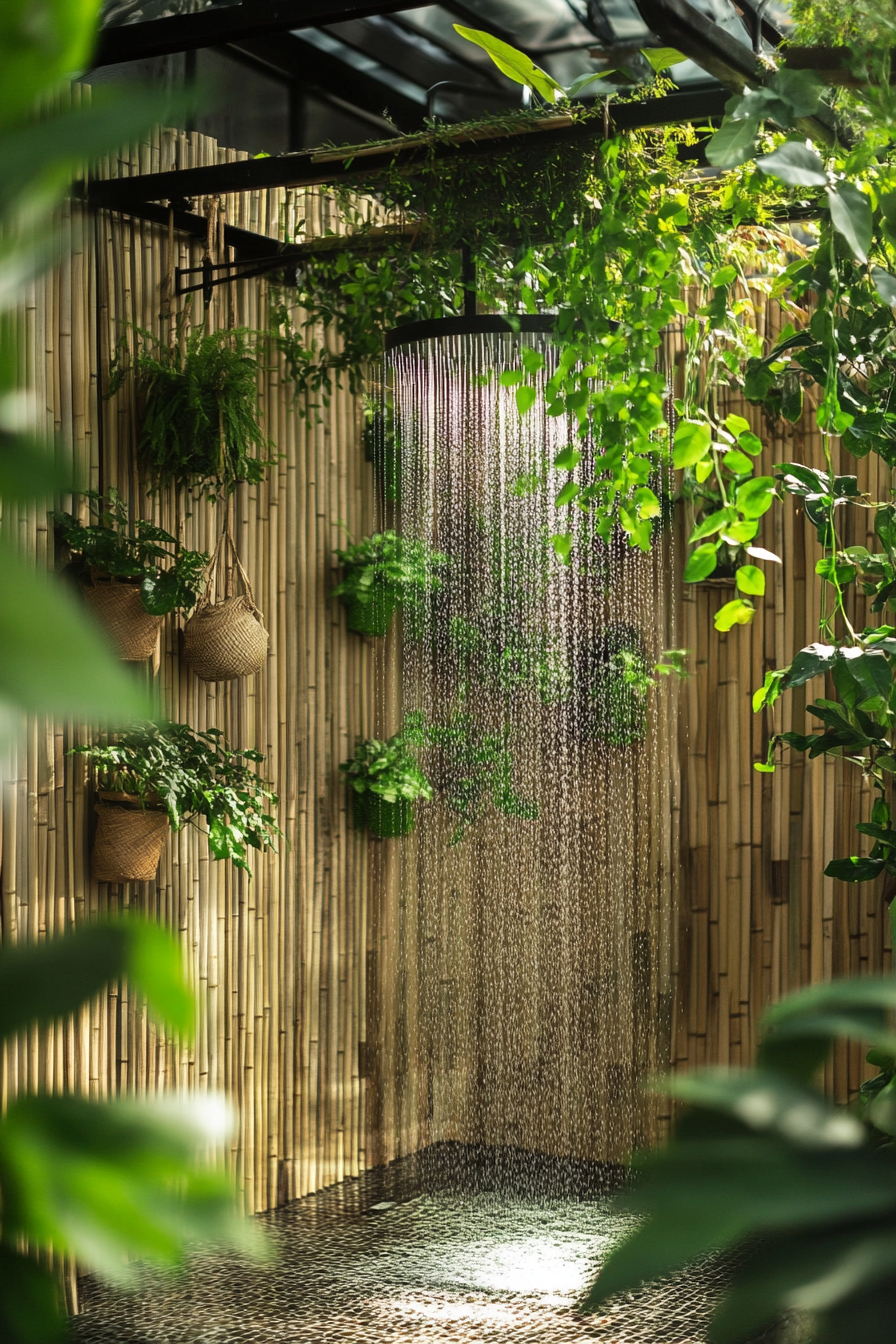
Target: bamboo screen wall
[(300, 972), (278, 961), (757, 916)]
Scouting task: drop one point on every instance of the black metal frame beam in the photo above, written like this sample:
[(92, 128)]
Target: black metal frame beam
[(222, 24), (323, 168), (732, 63)]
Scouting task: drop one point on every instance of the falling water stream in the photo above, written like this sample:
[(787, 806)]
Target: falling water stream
[(539, 876), (532, 910)]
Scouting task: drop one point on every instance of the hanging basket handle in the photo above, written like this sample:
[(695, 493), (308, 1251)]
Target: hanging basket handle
[(210, 573)]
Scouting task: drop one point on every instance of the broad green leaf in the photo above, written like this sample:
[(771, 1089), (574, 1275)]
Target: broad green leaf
[(754, 497), (29, 472), (767, 1102), (733, 143), (796, 164), (662, 57), (703, 470), (584, 81), (800, 90), (568, 459), (701, 563), (533, 360), (52, 657), (709, 526), (851, 217), (31, 1306), (810, 662), (861, 677), (737, 463), (737, 425), (510, 378), (42, 981), (736, 612), (738, 533), (855, 869), (706, 1195), (767, 694), (646, 503), (723, 277), (114, 1182), (514, 64), (525, 399), (44, 156), (562, 544), (885, 284), (691, 443), (567, 494), (750, 579), (750, 443), (41, 43)]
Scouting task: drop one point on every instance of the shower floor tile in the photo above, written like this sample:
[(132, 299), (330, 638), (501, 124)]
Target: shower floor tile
[(459, 1253)]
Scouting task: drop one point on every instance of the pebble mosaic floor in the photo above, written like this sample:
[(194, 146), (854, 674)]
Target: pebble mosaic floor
[(441, 1247)]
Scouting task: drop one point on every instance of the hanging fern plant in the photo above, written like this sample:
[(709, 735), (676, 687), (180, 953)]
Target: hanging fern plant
[(199, 414)]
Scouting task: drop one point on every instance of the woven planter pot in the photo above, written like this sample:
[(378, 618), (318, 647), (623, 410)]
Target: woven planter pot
[(385, 820), (373, 617), (128, 842), (130, 627), (226, 641)]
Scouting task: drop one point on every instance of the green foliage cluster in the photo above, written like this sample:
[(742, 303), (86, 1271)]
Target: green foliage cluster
[(388, 769), (199, 421), (472, 767), (110, 546), (108, 1183), (192, 774), (765, 1165), (399, 568)]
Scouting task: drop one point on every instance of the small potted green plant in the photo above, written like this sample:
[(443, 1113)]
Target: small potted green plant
[(383, 572), (131, 577), (385, 781), (198, 407), (160, 775), (617, 688)]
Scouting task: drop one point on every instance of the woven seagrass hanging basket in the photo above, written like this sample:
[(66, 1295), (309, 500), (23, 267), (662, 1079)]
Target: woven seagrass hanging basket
[(129, 841), (226, 639), (120, 611)]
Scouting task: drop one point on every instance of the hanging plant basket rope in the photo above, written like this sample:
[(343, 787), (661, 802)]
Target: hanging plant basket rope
[(226, 639)]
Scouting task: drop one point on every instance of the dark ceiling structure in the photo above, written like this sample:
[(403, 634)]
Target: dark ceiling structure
[(282, 75)]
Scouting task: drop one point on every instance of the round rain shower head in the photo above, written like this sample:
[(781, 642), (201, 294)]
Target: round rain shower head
[(484, 324)]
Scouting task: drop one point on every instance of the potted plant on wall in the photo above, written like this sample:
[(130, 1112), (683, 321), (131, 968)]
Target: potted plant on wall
[(383, 572), (198, 407), (130, 578), (160, 775), (385, 780)]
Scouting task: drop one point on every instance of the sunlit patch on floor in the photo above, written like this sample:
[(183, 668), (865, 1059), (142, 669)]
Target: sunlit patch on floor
[(454, 1258)]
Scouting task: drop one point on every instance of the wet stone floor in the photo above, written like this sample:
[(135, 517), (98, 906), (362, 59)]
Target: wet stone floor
[(448, 1245)]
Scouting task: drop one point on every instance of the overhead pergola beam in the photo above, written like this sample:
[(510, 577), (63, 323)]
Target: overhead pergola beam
[(722, 56), (326, 167), (223, 24)]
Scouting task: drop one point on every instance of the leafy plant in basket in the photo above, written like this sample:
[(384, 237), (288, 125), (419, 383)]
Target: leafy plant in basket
[(175, 772), (385, 780), (131, 576), (199, 418), (383, 572), (473, 768)]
